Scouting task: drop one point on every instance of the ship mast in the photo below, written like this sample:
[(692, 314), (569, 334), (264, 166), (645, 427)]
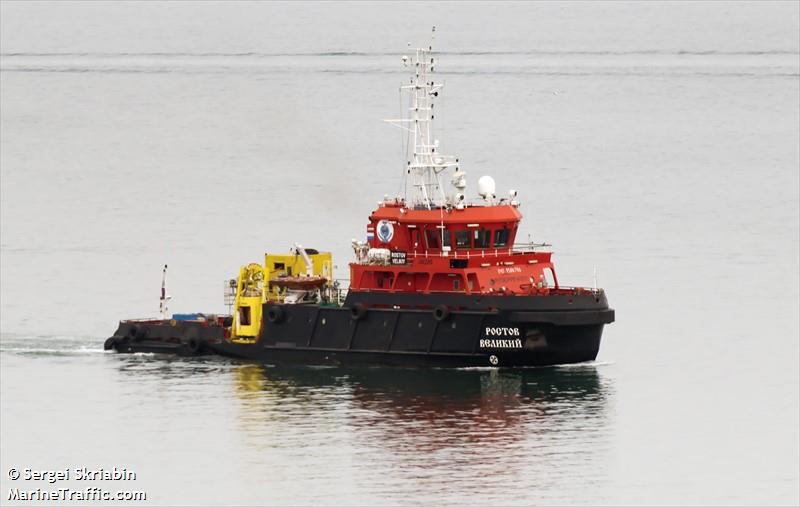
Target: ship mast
[(425, 163)]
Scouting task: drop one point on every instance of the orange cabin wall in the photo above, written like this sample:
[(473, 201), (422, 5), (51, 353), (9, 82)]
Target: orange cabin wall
[(428, 269), (437, 276), (409, 226)]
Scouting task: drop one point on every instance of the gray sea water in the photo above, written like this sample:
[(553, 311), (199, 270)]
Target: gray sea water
[(657, 143)]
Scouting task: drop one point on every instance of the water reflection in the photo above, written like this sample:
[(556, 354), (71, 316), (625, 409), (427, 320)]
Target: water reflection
[(165, 366), (461, 436), (411, 393), (470, 429)]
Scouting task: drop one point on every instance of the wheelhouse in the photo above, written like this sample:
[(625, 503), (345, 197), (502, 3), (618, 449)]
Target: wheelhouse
[(468, 250)]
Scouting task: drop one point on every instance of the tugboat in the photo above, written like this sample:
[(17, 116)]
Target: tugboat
[(439, 281)]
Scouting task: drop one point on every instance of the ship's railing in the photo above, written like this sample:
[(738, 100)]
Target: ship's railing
[(482, 253), (561, 290), (335, 293), (530, 246), (339, 290), (229, 293), (485, 253), (209, 318), (568, 289)]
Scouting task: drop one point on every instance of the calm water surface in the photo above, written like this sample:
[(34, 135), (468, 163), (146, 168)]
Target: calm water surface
[(658, 143)]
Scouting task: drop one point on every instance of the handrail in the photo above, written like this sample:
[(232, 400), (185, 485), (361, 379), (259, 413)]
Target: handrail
[(483, 253), (560, 290)]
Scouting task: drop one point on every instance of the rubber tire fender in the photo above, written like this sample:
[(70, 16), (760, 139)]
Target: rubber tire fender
[(133, 331), (358, 311), (194, 345), (275, 314), (441, 313), (110, 344), (141, 333)]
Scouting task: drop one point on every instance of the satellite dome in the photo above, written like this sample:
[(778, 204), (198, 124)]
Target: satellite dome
[(486, 187)]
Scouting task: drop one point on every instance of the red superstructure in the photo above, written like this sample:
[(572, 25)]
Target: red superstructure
[(468, 251)]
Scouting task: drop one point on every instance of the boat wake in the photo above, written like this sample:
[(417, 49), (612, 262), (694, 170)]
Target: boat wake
[(50, 345)]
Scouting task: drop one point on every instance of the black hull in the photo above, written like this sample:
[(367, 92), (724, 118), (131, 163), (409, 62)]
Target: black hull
[(567, 332), (183, 338), (576, 346)]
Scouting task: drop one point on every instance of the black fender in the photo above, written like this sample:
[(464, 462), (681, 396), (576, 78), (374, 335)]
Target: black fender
[(195, 345), (275, 314), (358, 311), (441, 312), (138, 332)]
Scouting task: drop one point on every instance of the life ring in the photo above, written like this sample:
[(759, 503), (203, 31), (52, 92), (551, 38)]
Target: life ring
[(441, 313), (274, 314), (357, 311), (110, 343), (194, 345)]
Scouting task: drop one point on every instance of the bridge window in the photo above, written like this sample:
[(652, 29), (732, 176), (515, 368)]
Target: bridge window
[(462, 239), (432, 238), (482, 238), (500, 237), (445, 238)]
